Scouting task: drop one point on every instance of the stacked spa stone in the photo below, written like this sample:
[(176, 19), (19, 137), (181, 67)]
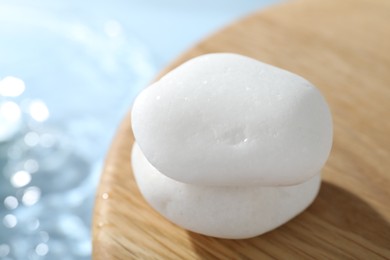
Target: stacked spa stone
[(230, 147)]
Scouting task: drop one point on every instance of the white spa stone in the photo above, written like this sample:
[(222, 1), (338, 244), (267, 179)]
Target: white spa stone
[(225, 212), (229, 120)]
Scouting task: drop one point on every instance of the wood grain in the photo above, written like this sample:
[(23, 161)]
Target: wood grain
[(343, 47)]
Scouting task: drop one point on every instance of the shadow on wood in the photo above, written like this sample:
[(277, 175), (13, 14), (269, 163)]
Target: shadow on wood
[(336, 213)]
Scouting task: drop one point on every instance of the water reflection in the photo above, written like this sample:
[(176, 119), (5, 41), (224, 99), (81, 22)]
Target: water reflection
[(10, 119), (44, 172), (57, 117), (31, 139), (38, 110), (11, 86), (31, 196), (11, 202), (10, 221), (20, 179), (42, 249)]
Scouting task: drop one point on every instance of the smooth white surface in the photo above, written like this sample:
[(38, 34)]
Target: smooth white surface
[(229, 120), (226, 212)]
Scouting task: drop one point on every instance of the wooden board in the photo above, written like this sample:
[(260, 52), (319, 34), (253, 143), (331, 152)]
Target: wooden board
[(343, 47)]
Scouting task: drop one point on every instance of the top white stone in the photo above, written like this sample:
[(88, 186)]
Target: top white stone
[(229, 120)]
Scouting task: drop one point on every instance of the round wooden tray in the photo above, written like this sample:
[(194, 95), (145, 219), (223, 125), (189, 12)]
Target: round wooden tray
[(343, 47)]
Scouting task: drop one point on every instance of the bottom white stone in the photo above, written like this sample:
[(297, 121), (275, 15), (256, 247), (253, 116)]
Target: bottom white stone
[(225, 212)]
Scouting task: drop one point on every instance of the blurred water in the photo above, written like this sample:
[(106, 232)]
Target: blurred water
[(65, 81)]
